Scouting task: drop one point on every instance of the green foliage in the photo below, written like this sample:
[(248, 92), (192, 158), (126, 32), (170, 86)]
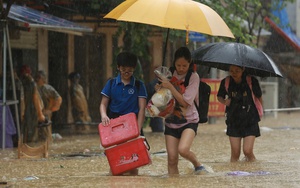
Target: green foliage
[(244, 17)]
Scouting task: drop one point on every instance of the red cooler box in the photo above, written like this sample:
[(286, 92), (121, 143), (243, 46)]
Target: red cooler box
[(128, 156), (119, 130)]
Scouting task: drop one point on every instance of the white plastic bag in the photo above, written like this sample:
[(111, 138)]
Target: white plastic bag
[(163, 73), (162, 102)]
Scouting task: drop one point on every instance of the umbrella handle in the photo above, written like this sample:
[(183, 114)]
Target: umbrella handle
[(165, 49), (187, 37)]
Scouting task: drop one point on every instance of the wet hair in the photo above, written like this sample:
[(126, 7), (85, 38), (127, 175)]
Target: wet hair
[(186, 54), (40, 75), (237, 66), (127, 59), (74, 75), (25, 69)]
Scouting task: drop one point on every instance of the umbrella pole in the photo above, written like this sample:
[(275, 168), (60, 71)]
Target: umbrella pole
[(3, 102), (165, 49)]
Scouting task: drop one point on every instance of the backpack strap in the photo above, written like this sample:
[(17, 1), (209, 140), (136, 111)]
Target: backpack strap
[(187, 77), (227, 80), (256, 101), (249, 81), (172, 69), (137, 84), (110, 82), (110, 85)]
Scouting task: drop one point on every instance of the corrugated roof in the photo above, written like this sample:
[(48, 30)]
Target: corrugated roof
[(35, 19)]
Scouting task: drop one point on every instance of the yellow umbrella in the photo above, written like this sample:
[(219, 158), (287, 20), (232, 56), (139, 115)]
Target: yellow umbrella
[(175, 14), (172, 14)]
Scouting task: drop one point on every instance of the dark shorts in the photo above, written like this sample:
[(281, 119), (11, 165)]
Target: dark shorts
[(177, 132), (241, 131)]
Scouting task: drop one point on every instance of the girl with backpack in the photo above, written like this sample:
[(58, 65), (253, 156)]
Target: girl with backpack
[(242, 96), (124, 94), (181, 126)]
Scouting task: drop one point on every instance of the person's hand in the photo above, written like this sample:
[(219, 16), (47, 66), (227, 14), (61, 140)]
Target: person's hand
[(47, 112), (165, 83), (157, 87), (227, 101), (105, 121), (41, 118)]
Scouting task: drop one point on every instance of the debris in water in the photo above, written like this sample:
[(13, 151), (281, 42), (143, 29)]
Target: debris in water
[(243, 173), (31, 178)]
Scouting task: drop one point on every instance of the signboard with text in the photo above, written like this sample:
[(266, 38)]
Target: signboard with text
[(215, 107), (197, 37)]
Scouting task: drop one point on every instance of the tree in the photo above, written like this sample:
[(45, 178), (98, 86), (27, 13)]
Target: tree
[(244, 17)]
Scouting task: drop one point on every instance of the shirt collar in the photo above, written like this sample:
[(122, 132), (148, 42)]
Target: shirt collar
[(179, 77), (132, 80)]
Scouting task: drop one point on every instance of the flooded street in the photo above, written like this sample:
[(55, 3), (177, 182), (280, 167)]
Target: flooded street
[(78, 161)]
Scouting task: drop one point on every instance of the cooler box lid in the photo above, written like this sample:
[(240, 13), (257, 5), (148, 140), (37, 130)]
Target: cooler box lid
[(119, 130)]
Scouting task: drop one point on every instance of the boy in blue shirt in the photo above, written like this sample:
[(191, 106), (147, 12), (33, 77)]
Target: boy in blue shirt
[(124, 93)]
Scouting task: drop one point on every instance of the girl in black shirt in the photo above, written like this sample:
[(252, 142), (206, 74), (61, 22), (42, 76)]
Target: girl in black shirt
[(241, 112)]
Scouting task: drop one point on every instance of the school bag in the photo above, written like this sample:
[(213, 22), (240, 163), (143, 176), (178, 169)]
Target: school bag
[(203, 96), (257, 103)]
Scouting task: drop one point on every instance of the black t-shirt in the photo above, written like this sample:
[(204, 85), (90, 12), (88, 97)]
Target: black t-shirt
[(242, 106)]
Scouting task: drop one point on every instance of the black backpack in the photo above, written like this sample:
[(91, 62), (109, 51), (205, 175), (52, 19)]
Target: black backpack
[(204, 94)]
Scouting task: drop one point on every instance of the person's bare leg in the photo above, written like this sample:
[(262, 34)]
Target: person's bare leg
[(38, 105), (49, 128), (248, 145), (235, 144), (133, 172), (184, 147), (35, 135), (49, 133), (172, 150)]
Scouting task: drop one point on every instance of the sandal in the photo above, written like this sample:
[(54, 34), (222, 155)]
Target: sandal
[(44, 123)]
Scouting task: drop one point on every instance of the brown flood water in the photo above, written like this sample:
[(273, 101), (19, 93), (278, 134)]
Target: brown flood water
[(277, 152)]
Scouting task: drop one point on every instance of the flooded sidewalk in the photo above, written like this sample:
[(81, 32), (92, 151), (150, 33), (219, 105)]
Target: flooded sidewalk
[(78, 161)]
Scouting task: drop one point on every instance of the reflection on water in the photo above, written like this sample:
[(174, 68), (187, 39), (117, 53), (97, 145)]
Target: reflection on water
[(77, 161)]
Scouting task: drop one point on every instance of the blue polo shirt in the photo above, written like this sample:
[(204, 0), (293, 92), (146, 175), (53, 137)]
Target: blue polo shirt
[(124, 98)]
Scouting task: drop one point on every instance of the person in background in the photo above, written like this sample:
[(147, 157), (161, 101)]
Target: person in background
[(79, 103), (32, 107), (242, 116), (51, 99), (10, 96), (181, 126), (124, 94), (156, 123)]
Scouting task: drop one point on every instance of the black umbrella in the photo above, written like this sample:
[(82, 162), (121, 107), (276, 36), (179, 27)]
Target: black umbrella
[(223, 54)]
